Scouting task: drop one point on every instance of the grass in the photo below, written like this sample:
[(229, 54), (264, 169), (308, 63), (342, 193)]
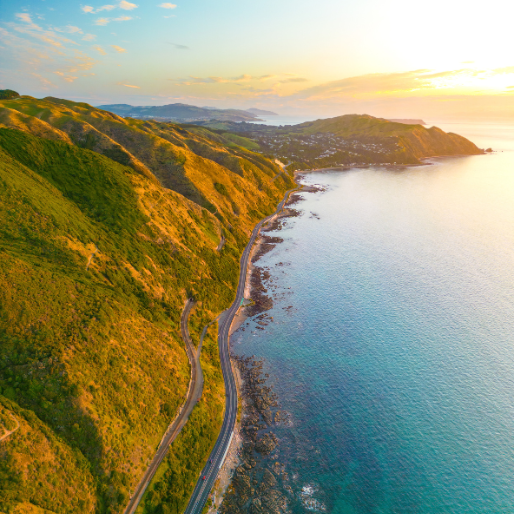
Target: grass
[(78, 346)]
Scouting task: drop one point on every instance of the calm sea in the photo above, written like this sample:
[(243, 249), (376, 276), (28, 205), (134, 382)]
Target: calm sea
[(392, 345)]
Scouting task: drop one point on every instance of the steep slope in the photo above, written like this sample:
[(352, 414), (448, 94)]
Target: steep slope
[(96, 260)]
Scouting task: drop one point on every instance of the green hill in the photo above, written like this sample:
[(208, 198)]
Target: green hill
[(107, 225), (414, 141)]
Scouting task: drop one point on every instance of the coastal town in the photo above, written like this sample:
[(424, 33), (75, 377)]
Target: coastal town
[(327, 149)]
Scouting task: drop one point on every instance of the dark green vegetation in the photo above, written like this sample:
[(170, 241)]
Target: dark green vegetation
[(180, 112), (8, 94), (350, 139), (107, 225)]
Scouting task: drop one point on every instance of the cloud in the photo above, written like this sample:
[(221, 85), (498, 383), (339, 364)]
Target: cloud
[(179, 47), (70, 29), (44, 81), (100, 50), (31, 29), (104, 21), (458, 83), (128, 85), (24, 17), (295, 80), (41, 53), (89, 37), (118, 49), (126, 5), (67, 78), (106, 8), (167, 5)]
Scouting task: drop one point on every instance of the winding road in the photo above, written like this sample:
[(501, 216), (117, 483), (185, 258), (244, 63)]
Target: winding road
[(210, 472), (193, 394)]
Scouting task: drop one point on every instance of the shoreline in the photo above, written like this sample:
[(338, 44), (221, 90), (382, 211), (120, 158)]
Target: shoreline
[(209, 475), (226, 475), (252, 451)]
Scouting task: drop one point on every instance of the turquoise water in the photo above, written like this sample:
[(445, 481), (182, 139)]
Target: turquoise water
[(396, 360)]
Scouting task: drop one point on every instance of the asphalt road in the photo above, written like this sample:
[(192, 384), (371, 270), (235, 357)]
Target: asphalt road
[(194, 393), (210, 472)]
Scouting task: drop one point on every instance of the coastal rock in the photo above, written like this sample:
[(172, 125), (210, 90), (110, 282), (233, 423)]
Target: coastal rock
[(266, 444), (256, 506)]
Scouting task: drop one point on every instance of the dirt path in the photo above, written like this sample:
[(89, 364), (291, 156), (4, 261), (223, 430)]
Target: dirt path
[(9, 432)]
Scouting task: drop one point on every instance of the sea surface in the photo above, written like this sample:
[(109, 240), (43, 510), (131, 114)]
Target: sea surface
[(392, 341)]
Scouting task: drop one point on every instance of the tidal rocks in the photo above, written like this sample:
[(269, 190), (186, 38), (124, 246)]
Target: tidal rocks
[(258, 483), (266, 444)]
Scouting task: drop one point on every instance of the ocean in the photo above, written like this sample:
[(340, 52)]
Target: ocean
[(392, 342)]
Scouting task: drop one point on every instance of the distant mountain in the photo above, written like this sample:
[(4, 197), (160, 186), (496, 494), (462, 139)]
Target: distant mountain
[(179, 112), (408, 121), (260, 112)]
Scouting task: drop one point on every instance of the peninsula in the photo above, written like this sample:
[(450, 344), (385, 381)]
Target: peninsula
[(352, 139)]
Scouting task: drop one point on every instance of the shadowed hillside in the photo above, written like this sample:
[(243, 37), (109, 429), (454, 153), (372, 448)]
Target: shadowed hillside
[(107, 225)]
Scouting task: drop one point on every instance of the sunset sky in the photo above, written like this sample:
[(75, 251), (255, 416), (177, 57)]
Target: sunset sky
[(394, 58)]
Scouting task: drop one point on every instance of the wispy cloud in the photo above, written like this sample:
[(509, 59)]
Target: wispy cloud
[(194, 81), (100, 50), (295, 80), (179, 47), (67, 78), (167, 5), (415, 83), (128, 85), (119, 49), (89, 37), (23, 16), (69, 29), (104, 21), (126, 6), (106, 8), (33, 30), (42, 53)]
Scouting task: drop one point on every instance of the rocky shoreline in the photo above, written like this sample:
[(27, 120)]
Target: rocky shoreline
[(260, 483)]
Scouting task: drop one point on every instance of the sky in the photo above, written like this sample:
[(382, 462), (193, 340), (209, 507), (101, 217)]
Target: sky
[(390, 58)]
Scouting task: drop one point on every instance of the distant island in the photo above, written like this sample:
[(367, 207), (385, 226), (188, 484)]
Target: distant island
[(183, 113), (407, 121)]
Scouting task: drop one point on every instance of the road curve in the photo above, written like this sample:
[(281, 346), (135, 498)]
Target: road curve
[(210, 472), (194, 393)]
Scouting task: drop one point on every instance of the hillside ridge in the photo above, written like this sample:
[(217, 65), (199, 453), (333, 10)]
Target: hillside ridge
[(92, 363)]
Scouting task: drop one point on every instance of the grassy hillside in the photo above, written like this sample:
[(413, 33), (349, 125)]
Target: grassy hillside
[(106, 227), (348, 140), (413, 140)]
